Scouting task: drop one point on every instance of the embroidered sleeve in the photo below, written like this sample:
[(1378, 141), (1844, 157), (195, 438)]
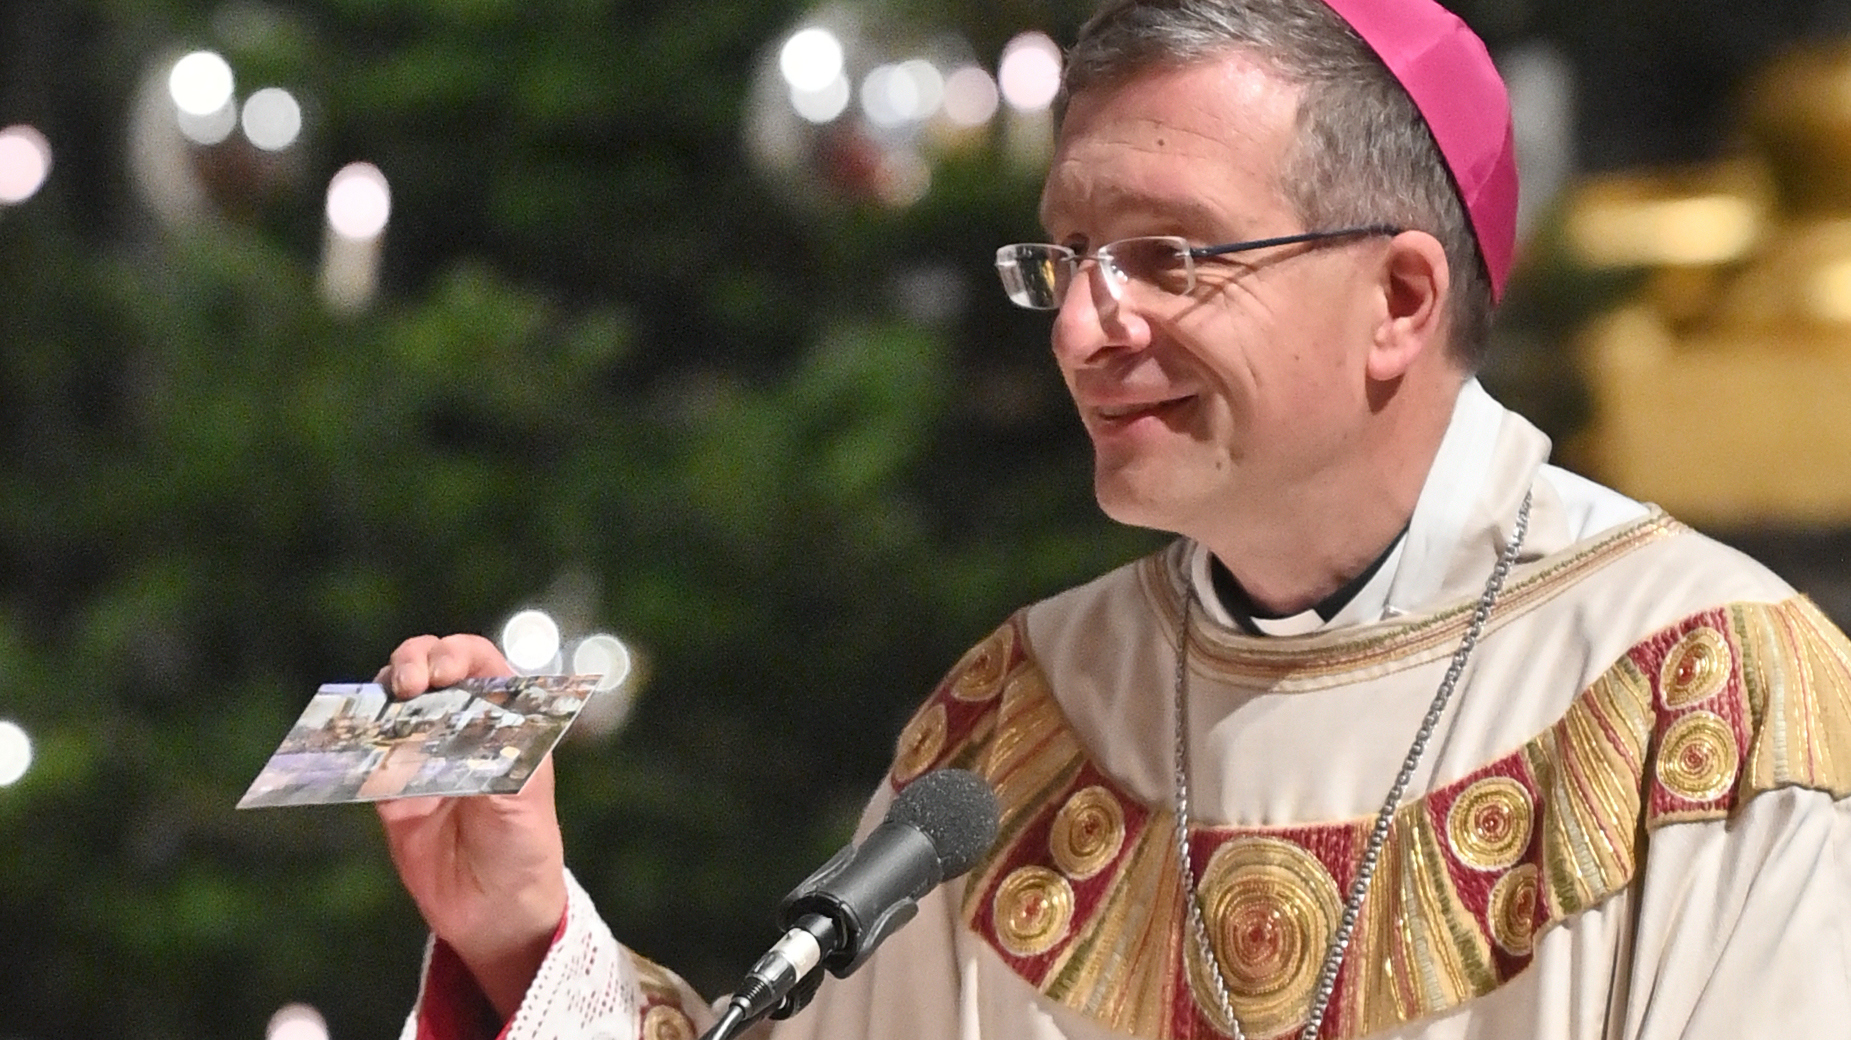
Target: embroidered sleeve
[(1747, 699), (1797, 667), (588, 988), (953, 726)]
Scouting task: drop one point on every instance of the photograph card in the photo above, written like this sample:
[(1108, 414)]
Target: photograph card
[(355, 743)]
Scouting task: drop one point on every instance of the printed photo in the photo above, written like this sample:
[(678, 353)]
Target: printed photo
[(354, 743)]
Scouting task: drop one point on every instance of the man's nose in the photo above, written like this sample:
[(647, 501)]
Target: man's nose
[(1097, 316)]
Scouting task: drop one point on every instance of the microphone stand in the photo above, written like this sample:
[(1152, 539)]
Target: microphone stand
[(735, 1020), (783, 981), (936, 829), (730, 1022)]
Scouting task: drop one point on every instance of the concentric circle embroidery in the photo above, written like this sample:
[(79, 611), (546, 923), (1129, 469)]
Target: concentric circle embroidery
[(1271, 910), (1698, 760), (920, 742), (980, 673), (1489, 823), (666, 1022), (1511, 914), (1087, 833), (1696, 669), (1032, 911)]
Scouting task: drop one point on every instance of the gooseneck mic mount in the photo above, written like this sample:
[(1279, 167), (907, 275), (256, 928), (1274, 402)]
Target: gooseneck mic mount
[(940, 825)]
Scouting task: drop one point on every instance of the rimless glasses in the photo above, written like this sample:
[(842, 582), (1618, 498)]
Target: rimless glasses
[(1036, 274)]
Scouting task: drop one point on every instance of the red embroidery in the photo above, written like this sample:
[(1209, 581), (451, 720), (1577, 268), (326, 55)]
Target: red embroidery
[(1689, 769)]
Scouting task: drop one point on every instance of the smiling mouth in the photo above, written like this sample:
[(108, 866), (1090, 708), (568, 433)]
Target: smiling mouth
[(1127, 412)]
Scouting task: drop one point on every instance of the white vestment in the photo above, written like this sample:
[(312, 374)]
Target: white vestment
[(1632, 822)]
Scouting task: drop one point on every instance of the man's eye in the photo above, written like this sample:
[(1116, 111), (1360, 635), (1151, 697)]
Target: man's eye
[(1155, 261)]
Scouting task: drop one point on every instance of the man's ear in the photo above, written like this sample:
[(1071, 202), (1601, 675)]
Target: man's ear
[(1416, 284)]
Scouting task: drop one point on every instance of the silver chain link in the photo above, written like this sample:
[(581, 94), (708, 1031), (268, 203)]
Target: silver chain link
[(1378, 836)]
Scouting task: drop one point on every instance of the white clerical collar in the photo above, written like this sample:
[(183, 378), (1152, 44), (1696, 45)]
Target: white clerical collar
[(1461, 473), (1416, 566)]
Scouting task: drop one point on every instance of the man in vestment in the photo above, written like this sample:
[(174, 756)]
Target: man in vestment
[(1408, 733)]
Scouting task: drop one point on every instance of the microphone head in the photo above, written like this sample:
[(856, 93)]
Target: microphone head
[(956, 810)]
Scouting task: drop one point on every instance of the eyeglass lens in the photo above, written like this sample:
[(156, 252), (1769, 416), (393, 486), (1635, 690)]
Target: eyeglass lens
[(1036, 275)]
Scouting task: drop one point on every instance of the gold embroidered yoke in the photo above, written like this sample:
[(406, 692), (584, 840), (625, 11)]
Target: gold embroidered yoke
[(1668, 682)]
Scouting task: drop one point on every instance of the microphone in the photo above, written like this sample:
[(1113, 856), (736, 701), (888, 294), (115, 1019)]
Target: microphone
[(938, 828)]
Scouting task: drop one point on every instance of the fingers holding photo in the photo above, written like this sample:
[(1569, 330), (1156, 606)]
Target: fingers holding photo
[(428, 662)]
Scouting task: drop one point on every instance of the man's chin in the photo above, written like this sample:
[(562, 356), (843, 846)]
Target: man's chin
[(1135, 506)]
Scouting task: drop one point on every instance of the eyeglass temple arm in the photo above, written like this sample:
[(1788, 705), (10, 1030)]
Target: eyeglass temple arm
[(1289, 240)]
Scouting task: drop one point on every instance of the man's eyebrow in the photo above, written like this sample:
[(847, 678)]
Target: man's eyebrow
[(1174, 213)]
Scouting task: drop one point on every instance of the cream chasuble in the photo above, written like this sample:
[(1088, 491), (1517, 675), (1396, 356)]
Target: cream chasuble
[(1632, 822)]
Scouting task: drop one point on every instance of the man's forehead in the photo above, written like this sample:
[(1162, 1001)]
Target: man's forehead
[(1154, 143), (1202, 93), (1078, 197)]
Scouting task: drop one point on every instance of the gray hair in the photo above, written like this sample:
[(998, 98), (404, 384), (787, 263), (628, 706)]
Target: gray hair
[(1364, 155)]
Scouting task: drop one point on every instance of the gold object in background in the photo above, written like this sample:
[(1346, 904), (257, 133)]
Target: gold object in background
[(1723, 391), (1702, 216)]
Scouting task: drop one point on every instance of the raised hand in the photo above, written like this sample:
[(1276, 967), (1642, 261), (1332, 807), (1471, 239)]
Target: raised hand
[(486, 871)]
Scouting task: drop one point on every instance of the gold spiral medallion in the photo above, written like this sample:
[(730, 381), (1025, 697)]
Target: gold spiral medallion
[(1032, 911), (1489, 823), (667, 1022), (979, 675), (920, 742), (1271, 910), (1512, 911), (1697, 760), (1696, 669), (1087, 833)]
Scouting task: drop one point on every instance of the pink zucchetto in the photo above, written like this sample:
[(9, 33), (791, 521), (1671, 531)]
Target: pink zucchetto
[(1445, 68)]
